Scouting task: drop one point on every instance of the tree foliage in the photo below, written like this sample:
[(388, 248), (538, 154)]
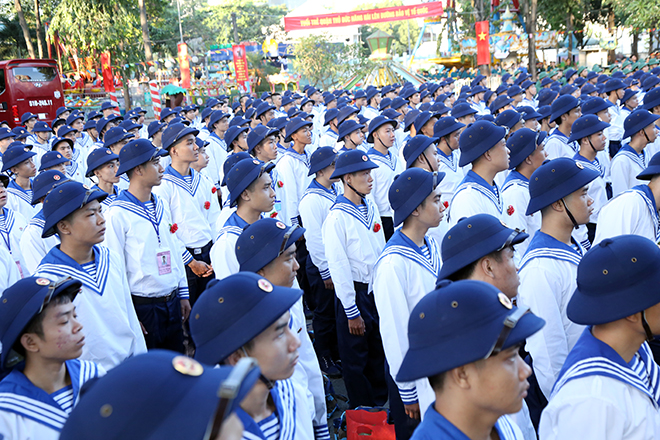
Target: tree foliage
[(643, 14), (324, 64), (397, 29), (252, 18)]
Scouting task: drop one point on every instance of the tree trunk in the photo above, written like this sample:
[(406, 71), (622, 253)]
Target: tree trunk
[(611, 54), (24, 27), (37, 17), (569, 33), (145, 31), (531, 29), (634, 48)]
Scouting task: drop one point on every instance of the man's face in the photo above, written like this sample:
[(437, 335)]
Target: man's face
[(152, 172), (303, 136), (500, 155), (276, 349), (277, 101), (573, 115), (580, 205), (62, 338), (186, 149), (261, 196), (361, 181), (87, 224), (78, 125), (499, 384), (108, 172), (283, 269), (267, 149), (25, 168), (432, 213), (3, 195), (64, 149), (386, 135)]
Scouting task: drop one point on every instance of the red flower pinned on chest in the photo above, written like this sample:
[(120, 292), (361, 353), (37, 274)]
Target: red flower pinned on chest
[(207, 205), (174, 228), (214, 190), (280, 184), (377, 227), (445, 204), (510, 210), (273, 214)]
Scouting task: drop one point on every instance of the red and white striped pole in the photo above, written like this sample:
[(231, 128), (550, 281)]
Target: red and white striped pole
[(155, 98), (115, 101)]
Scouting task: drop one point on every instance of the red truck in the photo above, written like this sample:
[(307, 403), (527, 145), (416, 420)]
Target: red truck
[(29, 86)]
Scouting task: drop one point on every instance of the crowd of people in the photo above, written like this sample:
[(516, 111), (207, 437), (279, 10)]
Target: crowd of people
[(482, 262)]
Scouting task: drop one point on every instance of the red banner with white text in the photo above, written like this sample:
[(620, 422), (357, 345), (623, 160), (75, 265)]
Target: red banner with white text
[(394, 13), (241, 66)]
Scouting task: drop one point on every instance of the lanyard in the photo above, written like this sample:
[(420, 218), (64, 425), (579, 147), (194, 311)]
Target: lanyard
[(4, 232)]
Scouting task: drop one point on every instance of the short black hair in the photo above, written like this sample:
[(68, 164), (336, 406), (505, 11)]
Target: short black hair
[(466, 272), (36, 323)]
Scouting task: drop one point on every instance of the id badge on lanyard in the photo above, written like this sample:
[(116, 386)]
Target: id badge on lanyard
[(164, 261)]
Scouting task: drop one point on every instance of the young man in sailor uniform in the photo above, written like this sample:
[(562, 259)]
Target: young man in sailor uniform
[(262, 145), (251, 191), (527, 153), (350, 136), (631, 158), (614, 90), (314, 208), (33, 247), (245, 315), (588, 132), (83, 141), (114, 140), (102, 164), (19, 191), (217, 148), (353, 239), (559, 189), (139, 231), (39, 326), (113, 330), (293, 167), (12, 228), (483, 145), (373, 101), (405, 271), (329, 138), (381, 135), (565, 111), (634, 211), (608, 387), (465, 337), (192, 204), (73, 169), (268, 248), (447, 130), (41, 144)]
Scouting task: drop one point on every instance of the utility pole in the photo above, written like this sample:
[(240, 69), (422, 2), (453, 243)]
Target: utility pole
[(178, 9), (233, 24)]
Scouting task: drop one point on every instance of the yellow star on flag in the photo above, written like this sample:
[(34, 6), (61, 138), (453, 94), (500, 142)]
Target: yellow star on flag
[(482, 36)]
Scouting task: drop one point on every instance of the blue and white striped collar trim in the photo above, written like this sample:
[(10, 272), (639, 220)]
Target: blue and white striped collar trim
[(15, 189), (129, 202), (304, 158), (473, 181), (645, 192), (388, 159), (545, 246), (283, 396), (320, 190), (10, 219), (345, 205), (173, 176), (515, 178), (58, 264), (450, 161), (39, 219), (592, 357), (234, 225), (400, 244), (629, 152)]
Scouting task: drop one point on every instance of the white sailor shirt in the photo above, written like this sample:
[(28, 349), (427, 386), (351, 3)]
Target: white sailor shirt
[(625, 167), (435, 426), (30, 413), (557, 145), (548, 278), (186, 200), (112, 330), (33, 247), (353, 238), (601, 396), (329, 138), (515, 198), (20, 200), (615, 131), (530, 102), (223, 251), (403, 274), (631, 212), (383, 176), (217, 151), (12, 227), (292, 170), (369, 112), (141, 235), (38, 148), (474, 196), (453, 174), (8, 272), (314, 207)]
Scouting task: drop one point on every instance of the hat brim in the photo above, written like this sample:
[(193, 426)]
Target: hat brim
[(18, 160), (66, 209), (246, 182), (414, 200), (370, 138), (599, 126), (420, 149), (137, 161), (472, 155), (267, 254), (45, 165), (640, 126), (185, 132), (28, 312), (463, 349), (354, 168), (295, 130), (249, 326), (448, 130)]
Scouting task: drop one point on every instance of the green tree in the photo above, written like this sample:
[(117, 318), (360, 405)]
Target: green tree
[(325, 64), (252, 18), (405, 32)]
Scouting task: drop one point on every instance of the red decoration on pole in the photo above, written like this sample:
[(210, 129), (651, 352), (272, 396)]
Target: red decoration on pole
[(240, 66), (184, 65), (483, 42), (106, 71)]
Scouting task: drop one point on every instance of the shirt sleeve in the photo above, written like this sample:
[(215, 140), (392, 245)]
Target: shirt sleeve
[(390, 286), (619, 174), (548, 347), (115, 236), (290, 189), (223, 256), (335, 240), (313, 217)]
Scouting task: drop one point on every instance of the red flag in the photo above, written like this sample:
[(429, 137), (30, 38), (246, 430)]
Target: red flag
[(483, 45), (106, 71), (240, 66), (184, 65)]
